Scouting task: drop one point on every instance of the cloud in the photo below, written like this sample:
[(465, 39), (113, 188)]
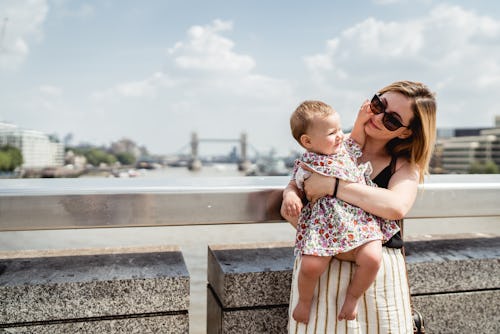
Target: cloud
[(145, 88), (453, 50), (204, 67), (207, 50), (205, 85), (21, 26)]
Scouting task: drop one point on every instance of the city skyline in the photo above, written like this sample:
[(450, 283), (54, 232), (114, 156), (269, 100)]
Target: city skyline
[(156, 72)]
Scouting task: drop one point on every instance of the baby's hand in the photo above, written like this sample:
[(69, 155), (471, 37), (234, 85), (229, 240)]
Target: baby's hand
[(292, 204), (365, 112)]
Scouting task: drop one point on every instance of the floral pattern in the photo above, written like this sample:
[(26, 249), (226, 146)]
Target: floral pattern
[(332, 226)]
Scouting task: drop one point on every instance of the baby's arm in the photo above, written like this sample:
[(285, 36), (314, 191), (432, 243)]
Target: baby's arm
[(358, 130), (292, 203)]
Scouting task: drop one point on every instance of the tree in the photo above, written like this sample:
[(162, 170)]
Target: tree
[(97, 156), (11, 158), (68, 139), (4, 161), (126, 158), (488, 167)]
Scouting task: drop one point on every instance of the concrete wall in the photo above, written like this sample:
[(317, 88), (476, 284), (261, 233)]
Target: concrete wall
[(130, 292), (454, 284)]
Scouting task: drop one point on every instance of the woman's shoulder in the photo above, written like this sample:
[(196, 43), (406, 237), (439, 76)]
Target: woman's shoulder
[(404, 169)]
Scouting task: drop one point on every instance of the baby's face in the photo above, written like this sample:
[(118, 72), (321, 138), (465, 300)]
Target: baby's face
[(325, 134)]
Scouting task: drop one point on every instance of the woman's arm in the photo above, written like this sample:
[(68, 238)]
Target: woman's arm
[(392, 203)]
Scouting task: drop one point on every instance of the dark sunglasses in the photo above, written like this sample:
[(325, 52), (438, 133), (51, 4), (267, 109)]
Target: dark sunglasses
[(390, 121)]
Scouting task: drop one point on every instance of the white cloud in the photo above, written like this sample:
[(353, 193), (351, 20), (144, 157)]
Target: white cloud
[(207, 50), (205, 86), (453, 50), (145, 88), (203, 67), (21, 25)]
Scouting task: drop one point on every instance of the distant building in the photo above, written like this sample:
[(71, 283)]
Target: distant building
[(37, 148), (458, 149)]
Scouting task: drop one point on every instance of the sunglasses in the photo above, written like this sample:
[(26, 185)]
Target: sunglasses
[(391, 122)]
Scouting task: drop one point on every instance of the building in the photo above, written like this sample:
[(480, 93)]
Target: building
[(37, 148), (458, 150)]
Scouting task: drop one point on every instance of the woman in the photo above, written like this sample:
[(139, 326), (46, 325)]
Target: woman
[(399, 141)]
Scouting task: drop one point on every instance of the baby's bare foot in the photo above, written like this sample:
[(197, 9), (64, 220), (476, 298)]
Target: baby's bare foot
[(301, 313), (349, 310)]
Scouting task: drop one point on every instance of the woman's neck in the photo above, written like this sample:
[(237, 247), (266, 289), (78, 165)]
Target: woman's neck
[(375, 152), (375, 148)]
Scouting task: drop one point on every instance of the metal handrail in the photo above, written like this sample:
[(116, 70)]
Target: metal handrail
[(37, 204)]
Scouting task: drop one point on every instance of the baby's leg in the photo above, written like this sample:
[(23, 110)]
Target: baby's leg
[(368, 258), (311, 269)]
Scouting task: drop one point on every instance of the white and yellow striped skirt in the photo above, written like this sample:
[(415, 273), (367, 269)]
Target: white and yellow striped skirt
[(384, 308)]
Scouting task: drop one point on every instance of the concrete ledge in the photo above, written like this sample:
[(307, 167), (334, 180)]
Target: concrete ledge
[(251, 276), (461, 312), (269, 320), (455, 284), (155, 324), (453, 265), (78, 291)]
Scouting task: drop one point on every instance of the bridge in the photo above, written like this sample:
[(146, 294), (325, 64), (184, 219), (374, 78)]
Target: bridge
[(129, 273), (195, 162)]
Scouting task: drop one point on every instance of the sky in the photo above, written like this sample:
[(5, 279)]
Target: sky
[(155, 71)]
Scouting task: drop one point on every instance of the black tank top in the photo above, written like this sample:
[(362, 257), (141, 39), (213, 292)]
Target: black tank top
[(382, 180)]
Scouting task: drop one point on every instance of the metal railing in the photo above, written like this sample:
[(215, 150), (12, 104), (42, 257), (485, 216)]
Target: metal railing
[(38, 204)]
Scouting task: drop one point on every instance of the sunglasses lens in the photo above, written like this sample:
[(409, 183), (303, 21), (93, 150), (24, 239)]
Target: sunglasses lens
[(391, 122), (377, 105)]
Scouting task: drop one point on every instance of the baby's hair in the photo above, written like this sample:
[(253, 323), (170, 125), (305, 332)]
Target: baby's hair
[(305, 112)]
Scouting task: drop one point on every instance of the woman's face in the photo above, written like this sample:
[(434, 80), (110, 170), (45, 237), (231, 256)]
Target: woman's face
[(399, 107)]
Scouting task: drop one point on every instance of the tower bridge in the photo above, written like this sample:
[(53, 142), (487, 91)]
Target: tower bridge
[(195, 162)]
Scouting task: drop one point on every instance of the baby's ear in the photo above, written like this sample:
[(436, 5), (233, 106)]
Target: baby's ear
[(305, 140)]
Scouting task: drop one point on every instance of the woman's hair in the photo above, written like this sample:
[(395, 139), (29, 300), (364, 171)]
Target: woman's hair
[(305, 112), (419, 146)]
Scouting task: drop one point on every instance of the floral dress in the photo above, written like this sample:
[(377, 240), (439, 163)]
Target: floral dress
[(332, 226)]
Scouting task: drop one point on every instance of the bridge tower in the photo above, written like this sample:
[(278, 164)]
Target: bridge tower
[(194, 162), (244, 163)]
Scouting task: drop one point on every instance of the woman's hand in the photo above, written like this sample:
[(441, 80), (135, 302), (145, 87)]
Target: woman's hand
[(317, 186)]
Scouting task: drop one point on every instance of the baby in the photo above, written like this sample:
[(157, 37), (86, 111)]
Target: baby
[(331, 227)]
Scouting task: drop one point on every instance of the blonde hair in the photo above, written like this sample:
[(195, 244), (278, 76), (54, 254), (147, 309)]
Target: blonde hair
[(419, 146), (303, 115)]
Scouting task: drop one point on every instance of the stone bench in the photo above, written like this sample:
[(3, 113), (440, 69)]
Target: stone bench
[(248, 288), (140, 292), (454, 283)]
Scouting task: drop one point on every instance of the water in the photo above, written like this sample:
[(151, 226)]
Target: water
[(193, 240)]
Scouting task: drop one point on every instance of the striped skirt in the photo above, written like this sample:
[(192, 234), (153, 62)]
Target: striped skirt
[(384, 308)]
